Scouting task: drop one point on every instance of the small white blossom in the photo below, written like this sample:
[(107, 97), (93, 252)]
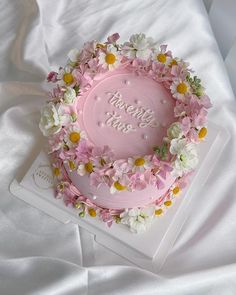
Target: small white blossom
[(73, 55), (138, 46), (69, 95), (138, 220), (74, 135), (174, 131), (140, 164), (110, 59), (186, 156), (52, 119)]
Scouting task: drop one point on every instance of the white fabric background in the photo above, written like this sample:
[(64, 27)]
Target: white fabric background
[(38, 255), (223, 21)]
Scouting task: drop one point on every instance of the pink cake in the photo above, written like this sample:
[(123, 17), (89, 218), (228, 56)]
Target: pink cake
[(123, 123)]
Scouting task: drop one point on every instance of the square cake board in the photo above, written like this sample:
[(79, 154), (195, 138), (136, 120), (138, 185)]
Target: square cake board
[(147, 250)]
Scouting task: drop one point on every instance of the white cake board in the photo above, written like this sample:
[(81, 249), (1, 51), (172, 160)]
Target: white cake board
[(148, 250)]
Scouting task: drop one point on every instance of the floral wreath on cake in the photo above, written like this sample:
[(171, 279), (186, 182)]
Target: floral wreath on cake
[(70, 146)]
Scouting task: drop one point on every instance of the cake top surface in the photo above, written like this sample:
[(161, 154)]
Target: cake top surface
[(126, 115)]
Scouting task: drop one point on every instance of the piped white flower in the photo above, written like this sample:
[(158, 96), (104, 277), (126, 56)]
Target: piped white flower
[(138, 220), (110, 59), (73, 55), (52, 119), (85, 168), (174, 131), (73, 136), (179, 88), (186, 156), (138, 46), (140, 164), (69, 95)]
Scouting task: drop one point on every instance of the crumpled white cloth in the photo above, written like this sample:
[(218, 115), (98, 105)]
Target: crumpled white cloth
[(38, 255)]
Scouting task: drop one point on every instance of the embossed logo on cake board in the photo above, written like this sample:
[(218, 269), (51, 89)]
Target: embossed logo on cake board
[(43, 177)]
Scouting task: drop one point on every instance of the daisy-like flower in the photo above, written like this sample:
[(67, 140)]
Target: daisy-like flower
[(140, 164), (138, 220), (73, 136), (162, 56), (65, 77), (85, 168), (179, 89), (159, 210), (120, 184), (175, 190), (110, 58)]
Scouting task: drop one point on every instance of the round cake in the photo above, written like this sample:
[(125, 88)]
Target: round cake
[(123, 123)]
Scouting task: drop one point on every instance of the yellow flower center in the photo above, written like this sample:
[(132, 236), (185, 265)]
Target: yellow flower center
[(92, 212), (88, 167), (182, 88), (173, 63), (72, 165), (119, 186), (139, 162), (161, 58), (74, 137), (77, 205), (168, 203), (56, 171), (100, 45), (158, 212), (110, 58), (176, 190), (202, 133), (68, 78), (102, 162)]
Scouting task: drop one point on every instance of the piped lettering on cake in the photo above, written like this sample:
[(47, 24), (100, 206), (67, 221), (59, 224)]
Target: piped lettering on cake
[(114, 121), (144, 115)]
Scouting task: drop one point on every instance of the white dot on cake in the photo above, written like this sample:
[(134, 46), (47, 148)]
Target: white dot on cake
[(100, 124), (137, 101), (127, 82), (145, 136), (97, 98), (163, 101), (94, 197), (80, 112)]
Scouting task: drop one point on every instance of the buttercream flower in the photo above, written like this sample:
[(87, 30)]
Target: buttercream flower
[(52, 119), (138, 181), (85, 168), (73, 55), (69, 95), (65, 77), (174, 131), (120, 184), (140, 164), (110, 58), (87, 52), (52, 77), (179, 89), (186, 156), (160, 210), (121, 167), (138, 46), (162, 56), (73, 136), (102, 156), (138, 220)]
